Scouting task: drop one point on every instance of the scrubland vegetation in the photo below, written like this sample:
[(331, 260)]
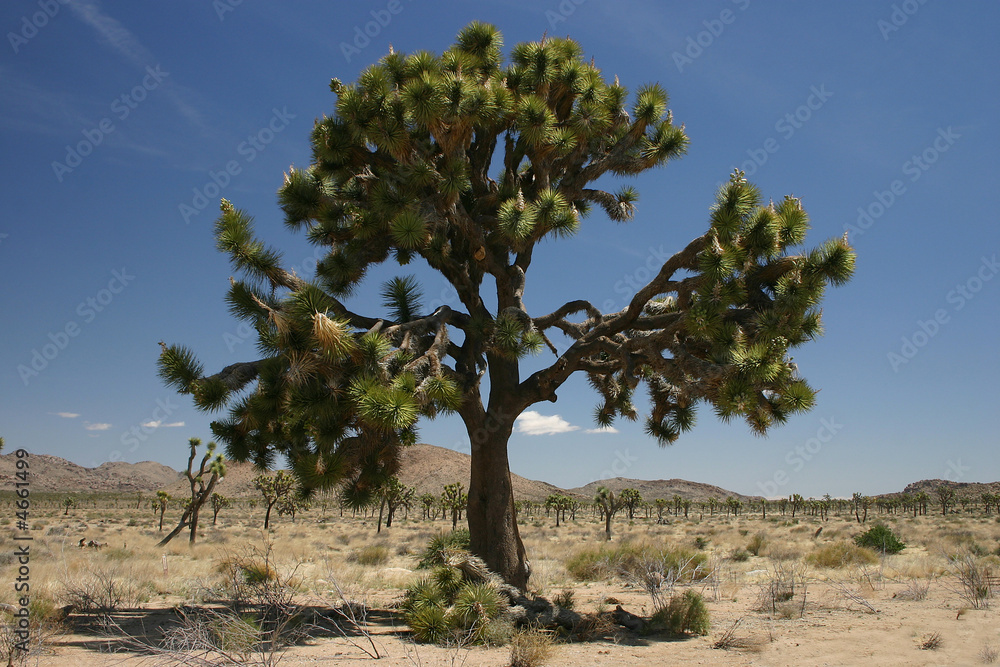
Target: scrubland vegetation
[(331, 584)]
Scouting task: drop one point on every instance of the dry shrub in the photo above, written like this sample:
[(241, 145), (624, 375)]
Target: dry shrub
[(638, 560), (783, 593), (372, 554), (105, 589), (842, 554), (529, 648)]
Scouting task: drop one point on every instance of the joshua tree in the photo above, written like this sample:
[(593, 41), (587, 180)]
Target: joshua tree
[(290, 504), (630, 499), (200, 490), (946, 496), (160, 505), (467, 162), (661, 504), (273, 488), (455, 499), (393, 495), (219, 502), (68, 502), (609, 506), (427, 502)]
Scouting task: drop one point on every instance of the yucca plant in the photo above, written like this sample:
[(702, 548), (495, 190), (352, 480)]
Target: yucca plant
[(467, 160)]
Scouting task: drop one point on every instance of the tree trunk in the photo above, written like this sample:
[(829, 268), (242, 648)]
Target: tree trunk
[(267, 515), (607, 526), (493, 534)]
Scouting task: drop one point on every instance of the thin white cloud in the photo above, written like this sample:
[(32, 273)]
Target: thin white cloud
[(96, 427), (159, 424), (66, 415), (534, 423), (603, 429)]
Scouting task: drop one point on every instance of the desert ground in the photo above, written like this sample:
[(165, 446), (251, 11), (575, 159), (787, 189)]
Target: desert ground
[(841, 608)]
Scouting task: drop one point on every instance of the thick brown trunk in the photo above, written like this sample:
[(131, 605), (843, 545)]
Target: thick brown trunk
[(492, 519)]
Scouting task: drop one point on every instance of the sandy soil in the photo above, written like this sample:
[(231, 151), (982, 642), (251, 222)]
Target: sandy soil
[(833, 631)]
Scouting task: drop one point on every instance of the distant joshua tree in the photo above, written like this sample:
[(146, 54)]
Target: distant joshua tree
[(609, 506), (273, 488), (219, 502), (160, 505), (455, 499), (946, 496)]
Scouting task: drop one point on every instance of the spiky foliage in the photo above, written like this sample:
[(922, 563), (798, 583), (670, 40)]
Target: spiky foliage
[(466, 161), (459, 602)]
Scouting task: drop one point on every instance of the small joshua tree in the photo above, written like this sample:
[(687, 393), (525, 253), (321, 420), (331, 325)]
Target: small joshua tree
[(609, 506), (219, 502), (455, 499), (273, 488), (631, 498), (160, 505)]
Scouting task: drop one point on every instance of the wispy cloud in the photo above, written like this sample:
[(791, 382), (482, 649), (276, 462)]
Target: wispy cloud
[(66, 415), (96, 427), (125, 43), (159, 424), (603, 429), (534, 423)]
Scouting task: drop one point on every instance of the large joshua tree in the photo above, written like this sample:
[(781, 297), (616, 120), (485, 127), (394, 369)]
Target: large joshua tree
[(466, 162)]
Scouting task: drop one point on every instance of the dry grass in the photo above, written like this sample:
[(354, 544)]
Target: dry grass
[(378, 566)]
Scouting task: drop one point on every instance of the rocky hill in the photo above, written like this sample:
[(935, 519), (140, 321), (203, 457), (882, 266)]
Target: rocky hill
[(967, 489), (660, 488), (51, 473)]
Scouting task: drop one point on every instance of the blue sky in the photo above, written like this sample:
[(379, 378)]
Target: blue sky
[(123, 124)]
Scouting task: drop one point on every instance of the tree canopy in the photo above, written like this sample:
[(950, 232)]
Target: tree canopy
[(466, 161)]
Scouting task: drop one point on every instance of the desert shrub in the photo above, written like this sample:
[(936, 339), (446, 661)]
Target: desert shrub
[(685, 614), (372, 554), (973, 579), (564, 599), (740, 556), (104, 590), (529, 649), (440, 544), (44, 623), (757, 543), (842, 554), (700, 543), (458, 602), (630, 560), (880, 538)]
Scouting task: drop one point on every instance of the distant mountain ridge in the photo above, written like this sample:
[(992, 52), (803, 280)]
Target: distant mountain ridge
[(51, 473), (427, 468)]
